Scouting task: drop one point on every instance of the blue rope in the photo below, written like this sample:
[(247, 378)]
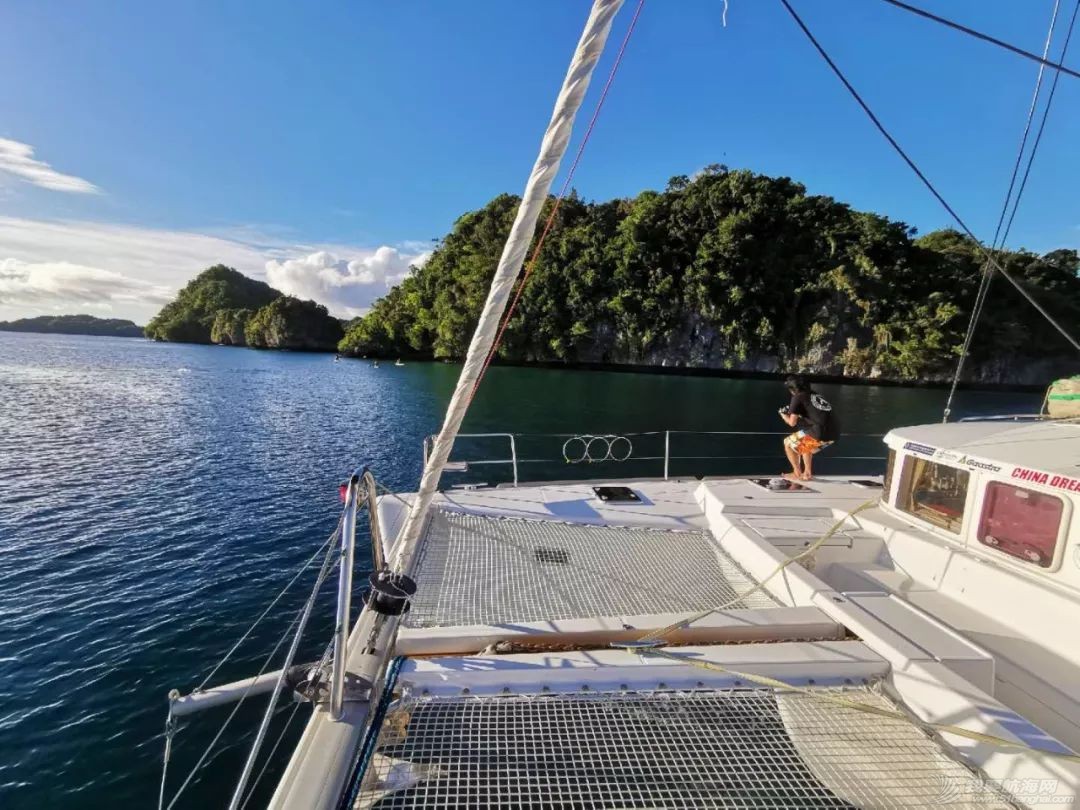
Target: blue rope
[(367, 748)]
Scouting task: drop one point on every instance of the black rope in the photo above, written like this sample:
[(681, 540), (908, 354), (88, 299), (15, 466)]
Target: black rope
[(1042, 125), (984, 37), (987, 255)]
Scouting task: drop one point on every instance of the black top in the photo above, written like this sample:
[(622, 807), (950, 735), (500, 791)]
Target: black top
[(815, 414)]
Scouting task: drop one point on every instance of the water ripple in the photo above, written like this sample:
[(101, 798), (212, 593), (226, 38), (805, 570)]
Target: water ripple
[(154, 498)]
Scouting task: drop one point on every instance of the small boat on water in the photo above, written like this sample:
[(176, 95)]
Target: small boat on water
[(898, 640), (399, 362)]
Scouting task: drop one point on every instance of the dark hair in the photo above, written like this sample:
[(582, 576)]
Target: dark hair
[(798, 383)]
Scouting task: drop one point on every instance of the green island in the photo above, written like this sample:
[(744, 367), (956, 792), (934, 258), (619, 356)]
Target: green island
[(221, 305), (728, 270), (74, 325)]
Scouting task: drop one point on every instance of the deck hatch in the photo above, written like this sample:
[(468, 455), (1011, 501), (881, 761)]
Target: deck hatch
[(552, 555), (752, 748), (477, 569)]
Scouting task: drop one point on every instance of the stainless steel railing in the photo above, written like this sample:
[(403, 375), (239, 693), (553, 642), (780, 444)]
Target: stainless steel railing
[(361, 486), (590, 448)]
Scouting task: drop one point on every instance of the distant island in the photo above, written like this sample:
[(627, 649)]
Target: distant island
[(727, 270), (74, 325), (223, 306)]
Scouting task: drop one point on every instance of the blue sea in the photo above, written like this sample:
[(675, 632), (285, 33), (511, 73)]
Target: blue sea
[(155, 497)]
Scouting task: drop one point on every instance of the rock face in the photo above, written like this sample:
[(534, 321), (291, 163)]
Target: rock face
[(74, 325), (229, 326), (738, 271), (192, 316), (289, 323)]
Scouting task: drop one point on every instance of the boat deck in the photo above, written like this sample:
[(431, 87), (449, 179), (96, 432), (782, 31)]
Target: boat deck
[(511, 693), (558, 731)]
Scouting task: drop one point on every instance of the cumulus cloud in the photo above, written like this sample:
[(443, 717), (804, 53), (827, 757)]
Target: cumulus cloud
[(56, 284), (347, 287), (17, 159), (137, 264)]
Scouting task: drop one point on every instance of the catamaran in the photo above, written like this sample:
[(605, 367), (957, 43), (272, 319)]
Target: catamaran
[(905, 640)]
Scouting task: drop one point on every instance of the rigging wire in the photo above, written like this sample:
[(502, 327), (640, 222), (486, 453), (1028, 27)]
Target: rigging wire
[(270, 756), (333, 536), (302, 619), (986, 276), (984, 37), (531, 264), (1027, 128), (1042, 123), (225, 725), (987, 255), (327, 565)]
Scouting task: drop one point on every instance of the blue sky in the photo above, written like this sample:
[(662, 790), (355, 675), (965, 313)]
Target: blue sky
[(322, 145)]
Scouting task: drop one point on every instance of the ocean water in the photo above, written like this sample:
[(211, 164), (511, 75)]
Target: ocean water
[(155, 497)]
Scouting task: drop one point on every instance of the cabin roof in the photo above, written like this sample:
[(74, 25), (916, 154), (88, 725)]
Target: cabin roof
[(1052, 447)]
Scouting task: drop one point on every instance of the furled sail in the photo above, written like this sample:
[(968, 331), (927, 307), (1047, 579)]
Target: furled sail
[(552, 149)]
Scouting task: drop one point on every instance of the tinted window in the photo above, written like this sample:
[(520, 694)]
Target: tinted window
[(934, 492), (1021, 522), (889, 464)]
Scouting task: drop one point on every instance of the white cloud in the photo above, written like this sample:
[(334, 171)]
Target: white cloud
[(62, 284), (17, 159), (136, 264), (348, 287)]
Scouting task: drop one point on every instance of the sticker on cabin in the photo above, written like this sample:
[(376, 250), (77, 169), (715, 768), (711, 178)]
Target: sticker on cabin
[(978, 464), (921, 449), (1057, 481), (946, 455)]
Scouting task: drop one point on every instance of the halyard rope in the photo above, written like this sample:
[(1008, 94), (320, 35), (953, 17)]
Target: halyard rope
[(642, 646), (764, 680), (657, 635), (531, 264)]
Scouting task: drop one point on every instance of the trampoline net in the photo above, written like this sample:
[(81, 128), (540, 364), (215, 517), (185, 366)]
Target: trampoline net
[(475, 569), (744, 748)]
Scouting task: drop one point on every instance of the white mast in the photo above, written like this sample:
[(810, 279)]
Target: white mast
[(552, 149)]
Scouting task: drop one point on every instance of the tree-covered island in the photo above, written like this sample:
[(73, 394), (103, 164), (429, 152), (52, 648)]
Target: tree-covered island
[(726, 270), (74, 325)]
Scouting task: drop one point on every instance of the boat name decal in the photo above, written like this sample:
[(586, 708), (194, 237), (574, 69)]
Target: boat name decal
[(1058, 481), (921, 449)]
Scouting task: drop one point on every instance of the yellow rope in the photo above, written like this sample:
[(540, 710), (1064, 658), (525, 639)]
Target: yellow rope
[(763, 680), (656, 635)]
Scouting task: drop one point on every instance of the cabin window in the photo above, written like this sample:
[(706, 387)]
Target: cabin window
[(1021, 522), (886, 488), (933, 492)]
